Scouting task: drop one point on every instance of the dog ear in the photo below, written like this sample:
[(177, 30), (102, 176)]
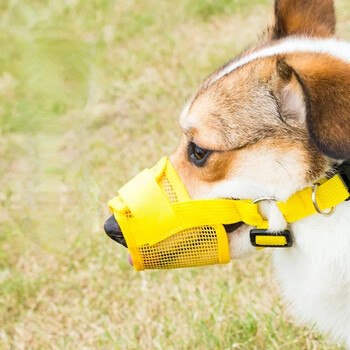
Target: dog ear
[(290, 94), (316, 93), (314, 18)]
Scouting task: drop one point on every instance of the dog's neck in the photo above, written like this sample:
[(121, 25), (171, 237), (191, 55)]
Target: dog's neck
[(315, 229), (314, 274)]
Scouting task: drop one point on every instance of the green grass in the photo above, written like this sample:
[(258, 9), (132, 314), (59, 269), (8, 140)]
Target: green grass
[(90, 92)]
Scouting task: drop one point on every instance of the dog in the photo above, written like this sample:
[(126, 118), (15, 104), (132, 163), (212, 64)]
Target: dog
[(271, 122)]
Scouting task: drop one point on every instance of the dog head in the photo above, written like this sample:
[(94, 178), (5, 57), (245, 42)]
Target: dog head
[(273, 120)]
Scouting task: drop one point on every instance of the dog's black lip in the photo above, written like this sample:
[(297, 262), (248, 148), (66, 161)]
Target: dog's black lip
[(233, 227)]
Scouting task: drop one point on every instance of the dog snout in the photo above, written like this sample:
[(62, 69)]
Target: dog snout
[(113, 230)]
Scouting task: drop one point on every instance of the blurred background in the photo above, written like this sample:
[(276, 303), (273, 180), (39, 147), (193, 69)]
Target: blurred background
[(90, 93)]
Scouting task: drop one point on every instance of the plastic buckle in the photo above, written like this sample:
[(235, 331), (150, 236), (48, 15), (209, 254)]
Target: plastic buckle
[(344, 173), (270, 235)]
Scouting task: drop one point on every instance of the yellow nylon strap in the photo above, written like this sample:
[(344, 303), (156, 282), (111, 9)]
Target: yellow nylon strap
[(214, 211), (217, 211), (328, 195)]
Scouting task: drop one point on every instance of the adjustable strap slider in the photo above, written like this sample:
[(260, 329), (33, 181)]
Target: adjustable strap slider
[(264, 239)]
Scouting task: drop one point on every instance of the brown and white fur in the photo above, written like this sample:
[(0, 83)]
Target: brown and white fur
[(277, 119)]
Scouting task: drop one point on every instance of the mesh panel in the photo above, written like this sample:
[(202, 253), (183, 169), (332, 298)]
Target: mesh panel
[(165, 184), (197, 246)]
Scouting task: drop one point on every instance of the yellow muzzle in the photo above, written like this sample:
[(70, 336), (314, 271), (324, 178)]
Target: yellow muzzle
[(163, 228), (159, 233)]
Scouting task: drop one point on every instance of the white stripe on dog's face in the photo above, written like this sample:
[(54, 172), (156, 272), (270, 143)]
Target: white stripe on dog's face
[(211, 99), (335, 48)]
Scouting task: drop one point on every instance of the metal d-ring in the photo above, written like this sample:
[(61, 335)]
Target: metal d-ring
[(264, 199), (313, 196)]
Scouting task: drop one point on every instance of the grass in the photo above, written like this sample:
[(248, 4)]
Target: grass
[(90, 92)]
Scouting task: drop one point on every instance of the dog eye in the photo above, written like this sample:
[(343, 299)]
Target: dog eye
[(197, 155)]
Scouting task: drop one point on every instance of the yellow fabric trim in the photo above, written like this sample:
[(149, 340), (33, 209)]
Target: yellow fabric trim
[(223, 248), (158, 210)]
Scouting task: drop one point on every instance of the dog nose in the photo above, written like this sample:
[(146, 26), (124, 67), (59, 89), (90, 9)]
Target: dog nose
[(113, 230)]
